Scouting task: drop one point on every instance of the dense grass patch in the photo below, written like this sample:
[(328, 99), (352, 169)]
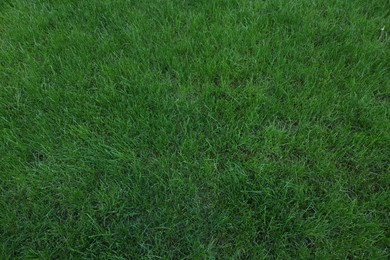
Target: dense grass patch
[(202, 129)]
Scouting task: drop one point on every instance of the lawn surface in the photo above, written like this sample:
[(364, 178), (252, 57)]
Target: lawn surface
[(241, 129)]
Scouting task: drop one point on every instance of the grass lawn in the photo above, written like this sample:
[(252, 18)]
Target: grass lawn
[(228, 129)]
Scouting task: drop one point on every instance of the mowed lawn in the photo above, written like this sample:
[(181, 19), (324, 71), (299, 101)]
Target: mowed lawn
[(197, 129)]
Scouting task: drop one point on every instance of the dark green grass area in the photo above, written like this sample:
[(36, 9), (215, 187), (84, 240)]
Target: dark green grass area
[(229, 129)]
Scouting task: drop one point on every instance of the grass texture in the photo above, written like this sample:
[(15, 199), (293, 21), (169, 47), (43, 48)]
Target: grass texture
[(228, 129)]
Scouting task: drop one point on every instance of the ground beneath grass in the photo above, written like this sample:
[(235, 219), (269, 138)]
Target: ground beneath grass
[(240, 129)]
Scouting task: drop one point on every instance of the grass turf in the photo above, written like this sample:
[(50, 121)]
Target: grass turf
[(194, 129)]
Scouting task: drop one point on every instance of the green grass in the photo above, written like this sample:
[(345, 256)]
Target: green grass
[(241, 129)]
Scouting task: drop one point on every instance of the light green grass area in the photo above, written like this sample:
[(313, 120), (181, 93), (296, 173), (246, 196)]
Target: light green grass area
[(199, 129)]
